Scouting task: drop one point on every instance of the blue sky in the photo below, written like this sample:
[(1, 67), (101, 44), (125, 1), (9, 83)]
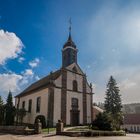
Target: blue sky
[(106, 32)]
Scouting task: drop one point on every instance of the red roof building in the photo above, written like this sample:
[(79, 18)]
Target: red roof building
[(132, 122), (132, 119)]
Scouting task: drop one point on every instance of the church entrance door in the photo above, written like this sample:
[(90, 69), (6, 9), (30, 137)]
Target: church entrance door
[(74, 117)]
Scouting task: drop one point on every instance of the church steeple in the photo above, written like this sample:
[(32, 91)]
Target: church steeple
[(69, 51), (70, 30)]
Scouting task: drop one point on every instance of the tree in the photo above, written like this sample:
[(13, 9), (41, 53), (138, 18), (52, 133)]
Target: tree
[(113, 103), (20, 114), (1, 101), (102, 122), (1, 111), (9, 110)]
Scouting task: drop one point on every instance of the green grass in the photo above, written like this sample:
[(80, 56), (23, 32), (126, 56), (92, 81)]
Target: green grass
[(78, 129), (50, 130)]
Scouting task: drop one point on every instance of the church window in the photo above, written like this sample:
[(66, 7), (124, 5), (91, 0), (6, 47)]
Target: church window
[(74, 103), (134, 128), (138, 128), (30, 105), (38, 103), (23, 104), (75, 85), (131, 128)]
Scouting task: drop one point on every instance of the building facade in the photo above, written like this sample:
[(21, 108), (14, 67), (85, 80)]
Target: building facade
[(131, 123), (62, 95)]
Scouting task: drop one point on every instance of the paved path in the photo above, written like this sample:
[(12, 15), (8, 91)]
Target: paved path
[(45, 137)]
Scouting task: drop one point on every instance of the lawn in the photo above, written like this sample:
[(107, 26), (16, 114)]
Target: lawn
[(45, 130)]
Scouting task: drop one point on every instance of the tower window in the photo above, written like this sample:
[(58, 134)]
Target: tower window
[(75, 85), (38, 102)]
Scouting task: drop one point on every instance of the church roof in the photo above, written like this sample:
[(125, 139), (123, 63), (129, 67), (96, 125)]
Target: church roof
[(69, 42), (44, 82)]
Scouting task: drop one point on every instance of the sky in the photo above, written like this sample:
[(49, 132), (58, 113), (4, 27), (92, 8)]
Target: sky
[(106, 32)]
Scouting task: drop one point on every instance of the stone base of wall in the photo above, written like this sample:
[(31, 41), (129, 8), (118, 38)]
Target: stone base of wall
[(92, 133), (20, 130)]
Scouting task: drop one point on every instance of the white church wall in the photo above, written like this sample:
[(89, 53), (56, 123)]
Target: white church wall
[(58, 81), (77, 67), (79, 96), (16, 102), (72, 76), (88, 88), (30, 117), (57, 105), (88, 108)]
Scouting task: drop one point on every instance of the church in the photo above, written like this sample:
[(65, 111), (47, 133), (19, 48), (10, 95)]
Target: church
[(62, 95)]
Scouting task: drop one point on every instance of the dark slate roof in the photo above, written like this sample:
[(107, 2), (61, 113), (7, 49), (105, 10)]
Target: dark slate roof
[(69, 42), (132, 119), (44, 82)]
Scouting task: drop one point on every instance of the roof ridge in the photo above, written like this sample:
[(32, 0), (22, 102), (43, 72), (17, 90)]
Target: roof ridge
[(40, 83)]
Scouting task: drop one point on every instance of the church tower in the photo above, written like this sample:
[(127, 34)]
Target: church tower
[(62, 95), (69, 51)]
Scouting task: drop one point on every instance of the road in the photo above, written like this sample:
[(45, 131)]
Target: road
[(45, 137)]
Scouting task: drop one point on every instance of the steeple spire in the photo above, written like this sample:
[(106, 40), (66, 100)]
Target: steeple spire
[(69, 51), (70, 23)]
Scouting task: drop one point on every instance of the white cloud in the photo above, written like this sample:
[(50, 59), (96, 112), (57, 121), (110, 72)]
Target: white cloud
[(16, 82), (21, 59), (34, 63), (128, 84), (28, 72), (10, 46), (128, 80), (37, 77), (9, 82)]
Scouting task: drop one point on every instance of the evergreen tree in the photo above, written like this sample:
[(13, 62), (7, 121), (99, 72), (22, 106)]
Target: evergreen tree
[(102, 122), (1, 111), (9, 110), (9, 99), (113, 103), (1, 101)]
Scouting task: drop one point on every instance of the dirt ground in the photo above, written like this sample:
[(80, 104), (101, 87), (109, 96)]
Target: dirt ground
[(54, 137)]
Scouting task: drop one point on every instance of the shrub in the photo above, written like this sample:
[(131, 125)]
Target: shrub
[(102, 122)]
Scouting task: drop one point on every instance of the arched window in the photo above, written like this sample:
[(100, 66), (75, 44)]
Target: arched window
[(75, 85)]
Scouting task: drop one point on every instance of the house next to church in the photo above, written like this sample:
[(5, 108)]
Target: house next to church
[(62, 95)]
